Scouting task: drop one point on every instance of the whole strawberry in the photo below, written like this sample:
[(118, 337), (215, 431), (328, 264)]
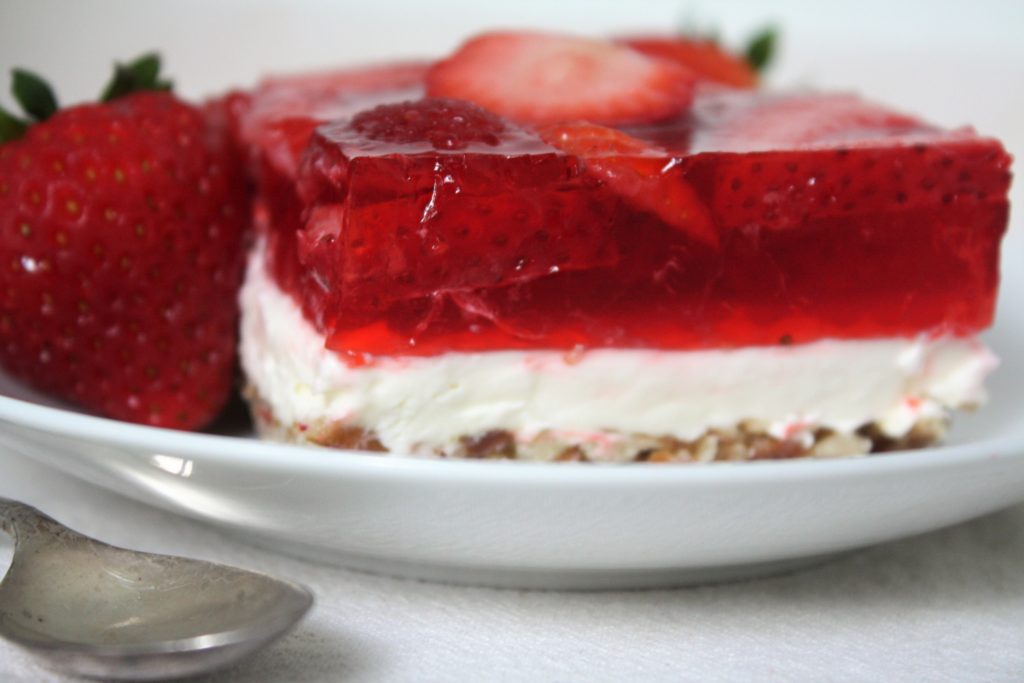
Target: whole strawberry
[(122, 228)]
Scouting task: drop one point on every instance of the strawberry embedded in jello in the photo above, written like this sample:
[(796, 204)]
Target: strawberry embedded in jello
[(793, 159), (533, 77), (640, 173)]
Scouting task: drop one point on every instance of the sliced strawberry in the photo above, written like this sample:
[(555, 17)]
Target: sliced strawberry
[(706, 58), (780, 161), (644, 175), (545, 78), (444, 124)]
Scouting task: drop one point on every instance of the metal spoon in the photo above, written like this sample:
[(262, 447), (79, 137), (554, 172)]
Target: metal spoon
[(99, 611)]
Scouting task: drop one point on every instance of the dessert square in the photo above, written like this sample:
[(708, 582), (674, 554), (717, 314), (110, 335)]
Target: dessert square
[(447, 266)]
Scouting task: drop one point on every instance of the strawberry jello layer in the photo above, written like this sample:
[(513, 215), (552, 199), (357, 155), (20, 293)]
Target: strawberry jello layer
[(848, 222), (791, 240)]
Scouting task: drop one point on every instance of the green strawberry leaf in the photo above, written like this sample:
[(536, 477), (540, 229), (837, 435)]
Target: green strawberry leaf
[(33, 94), (11, 128), (146, 68), (38, 101), (136, 76), (761, 49)]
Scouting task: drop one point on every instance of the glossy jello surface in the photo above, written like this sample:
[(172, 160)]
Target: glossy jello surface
[(411, 225)]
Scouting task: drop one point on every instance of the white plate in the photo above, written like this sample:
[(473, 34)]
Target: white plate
[(528, 524), (555, 526)]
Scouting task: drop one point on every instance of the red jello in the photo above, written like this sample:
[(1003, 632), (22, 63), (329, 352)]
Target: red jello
[(749, 220)]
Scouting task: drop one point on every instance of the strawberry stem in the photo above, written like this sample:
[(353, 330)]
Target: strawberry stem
[(141, 74), (33, 94)]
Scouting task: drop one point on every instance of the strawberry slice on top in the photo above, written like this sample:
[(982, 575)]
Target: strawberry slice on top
[(539, 78), (705, 57)]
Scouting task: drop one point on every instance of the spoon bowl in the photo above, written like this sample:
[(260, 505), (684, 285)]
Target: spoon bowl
[(100, 611)]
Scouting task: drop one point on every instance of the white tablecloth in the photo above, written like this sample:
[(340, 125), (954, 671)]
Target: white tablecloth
[(947, 606)]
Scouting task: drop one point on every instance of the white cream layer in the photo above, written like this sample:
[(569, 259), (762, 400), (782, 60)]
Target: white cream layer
[(420, 403)]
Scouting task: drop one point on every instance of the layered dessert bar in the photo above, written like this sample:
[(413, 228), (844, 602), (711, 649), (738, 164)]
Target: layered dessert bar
[(469, 258)]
